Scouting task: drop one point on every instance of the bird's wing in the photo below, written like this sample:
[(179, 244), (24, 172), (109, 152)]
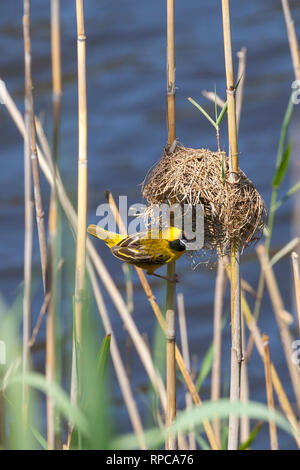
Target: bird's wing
[(138, 249)]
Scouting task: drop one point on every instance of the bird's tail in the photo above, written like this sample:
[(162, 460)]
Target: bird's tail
[(110, 238)]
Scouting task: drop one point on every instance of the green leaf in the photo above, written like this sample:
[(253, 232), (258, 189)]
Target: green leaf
[(238, 82), (282, 168), (203, 112), (289, 193), (205, 367), (284, 127), (51, 389), (222, 114), (201, 442), (290, 246), (103, 357), (245, 445), (41, 440), (207, 411)]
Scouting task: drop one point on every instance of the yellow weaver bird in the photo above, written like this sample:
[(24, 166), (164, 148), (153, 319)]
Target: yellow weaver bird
[(139, 249)]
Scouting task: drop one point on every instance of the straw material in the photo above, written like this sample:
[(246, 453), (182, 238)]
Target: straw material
[(233, 211)]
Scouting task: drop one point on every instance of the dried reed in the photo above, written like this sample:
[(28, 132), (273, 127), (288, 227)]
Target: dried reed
[(269, 391), (53, 218), (35, 176), (220, 288), (296, 282), (186, 358), (236, 346), (82, 168), (292, 37), (28, 202), (171, 441)]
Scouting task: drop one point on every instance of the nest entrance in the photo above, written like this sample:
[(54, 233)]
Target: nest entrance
[(234, 211)]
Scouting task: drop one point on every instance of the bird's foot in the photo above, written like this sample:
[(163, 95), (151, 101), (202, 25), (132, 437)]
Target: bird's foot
[(173, 279)]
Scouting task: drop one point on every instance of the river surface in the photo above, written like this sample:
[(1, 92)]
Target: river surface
[(126, 135)]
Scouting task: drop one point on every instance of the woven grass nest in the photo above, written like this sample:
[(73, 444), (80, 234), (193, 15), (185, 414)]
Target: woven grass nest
[(234, 211)]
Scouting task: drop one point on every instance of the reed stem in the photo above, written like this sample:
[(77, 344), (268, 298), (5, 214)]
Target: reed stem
[(171, 442), (53, 219), (269, 390), (292, 37), (296, 282), (220, 288), (171, 71), (186, 358), (236, 347), (28, 201), (82, 169)]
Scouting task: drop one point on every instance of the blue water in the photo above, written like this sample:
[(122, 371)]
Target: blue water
[(126, 135)]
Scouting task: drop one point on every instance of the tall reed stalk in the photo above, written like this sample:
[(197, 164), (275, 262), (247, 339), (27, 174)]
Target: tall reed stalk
[(269, 391), (292, 37), (236, 347), (53, 218), (34, 152), (171, 443), (28, 201), (186, 357), (296, 275), (82, 169)]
